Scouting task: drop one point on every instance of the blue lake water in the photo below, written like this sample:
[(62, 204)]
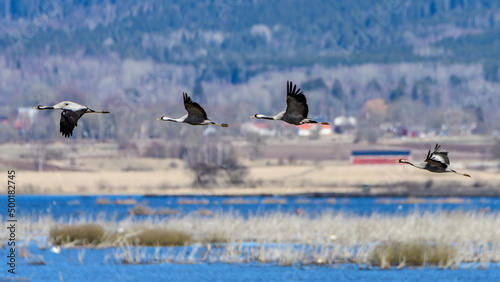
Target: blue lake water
[(94, 268), (75, 206), (100, 265)]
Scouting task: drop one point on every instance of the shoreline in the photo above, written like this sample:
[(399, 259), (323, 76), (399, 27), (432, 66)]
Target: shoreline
[(324, 192)]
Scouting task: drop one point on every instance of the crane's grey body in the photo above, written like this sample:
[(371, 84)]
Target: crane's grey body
[(436, 161), (196, 114), (296, 108), (71, 113)]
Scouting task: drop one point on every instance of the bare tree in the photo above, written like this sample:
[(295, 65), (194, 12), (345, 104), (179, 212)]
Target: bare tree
[(215, 163)]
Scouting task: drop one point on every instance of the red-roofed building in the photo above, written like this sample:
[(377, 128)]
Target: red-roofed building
[(309, 128)]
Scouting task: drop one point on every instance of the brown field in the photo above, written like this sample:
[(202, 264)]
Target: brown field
[(320, 166)]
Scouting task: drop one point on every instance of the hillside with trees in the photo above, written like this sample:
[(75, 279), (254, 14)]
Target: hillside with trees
[(433, 63)]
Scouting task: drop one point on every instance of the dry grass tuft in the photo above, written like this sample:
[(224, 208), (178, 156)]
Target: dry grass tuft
[(141, 210), (274, 201), (331, 201), (93, 235), (160, 237), (240, 201), (442, 238), (205, 212), (216, 237), (412, 254), (167, 211), (192, 202), (15, 279), (84, 234), (302, 201), (38, 260), (125, 201), (411, 200), (102, 201), (451, 200), (383, 201)]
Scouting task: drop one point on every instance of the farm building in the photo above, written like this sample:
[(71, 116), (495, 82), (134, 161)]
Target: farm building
[(308, 129)]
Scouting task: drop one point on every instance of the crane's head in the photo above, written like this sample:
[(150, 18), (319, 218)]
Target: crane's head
[(261, 116), (40, 107), (164, 118), (63, 104), (404, 161)]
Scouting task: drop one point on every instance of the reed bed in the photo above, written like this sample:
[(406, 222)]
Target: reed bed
[(443, 239)]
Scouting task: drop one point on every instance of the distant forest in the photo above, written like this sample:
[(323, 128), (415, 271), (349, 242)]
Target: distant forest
[(237, 38), (428, 66)]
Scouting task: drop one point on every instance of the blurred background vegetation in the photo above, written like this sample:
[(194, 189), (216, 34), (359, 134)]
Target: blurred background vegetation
[(433, 64)]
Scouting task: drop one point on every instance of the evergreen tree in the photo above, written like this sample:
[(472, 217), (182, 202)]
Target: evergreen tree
[(337, 90), (399, 91), (198, 93)]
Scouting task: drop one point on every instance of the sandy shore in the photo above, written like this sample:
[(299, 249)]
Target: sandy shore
[(269, 180), (320, 167)]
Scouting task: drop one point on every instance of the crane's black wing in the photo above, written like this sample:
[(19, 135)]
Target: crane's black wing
[(440, 155), (437, 158), (69, 120), (433, 162), (195, 111), (296, 102)]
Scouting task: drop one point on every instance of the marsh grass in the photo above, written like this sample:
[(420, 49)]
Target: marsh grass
[(442, 238), (129, 255), (102, 201), (36, 260), (160, 237), (141, 210), (274, 201), (94, 235), (240, 201), (81, 255), (215, 237), (83, 234), (125, 201), (15, 279), (188, 201), (30, 258), (167, 211), (395, 253)]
